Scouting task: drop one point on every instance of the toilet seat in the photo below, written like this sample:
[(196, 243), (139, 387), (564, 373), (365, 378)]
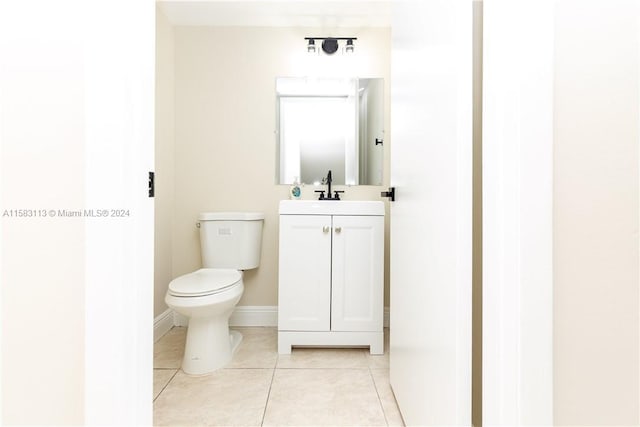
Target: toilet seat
[(204, 282)]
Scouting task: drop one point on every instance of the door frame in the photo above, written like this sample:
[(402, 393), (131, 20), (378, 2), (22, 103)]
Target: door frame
[(119, 152), (518, 75), (517, 174)]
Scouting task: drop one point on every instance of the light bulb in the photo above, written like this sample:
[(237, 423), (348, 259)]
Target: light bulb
[(349, 47), (311, 47)]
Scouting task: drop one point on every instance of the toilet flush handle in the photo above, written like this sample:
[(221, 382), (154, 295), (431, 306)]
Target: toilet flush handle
[(197, 224)]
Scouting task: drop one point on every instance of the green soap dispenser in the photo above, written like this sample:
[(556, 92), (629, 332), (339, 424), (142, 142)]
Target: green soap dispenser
[(295, 192)]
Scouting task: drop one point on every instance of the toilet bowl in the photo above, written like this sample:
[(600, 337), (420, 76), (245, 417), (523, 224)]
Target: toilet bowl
[(230, 243), (207, 298)]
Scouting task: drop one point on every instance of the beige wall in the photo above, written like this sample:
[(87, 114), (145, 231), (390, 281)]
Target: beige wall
[(164, 160), (225, 152), (596, 214)]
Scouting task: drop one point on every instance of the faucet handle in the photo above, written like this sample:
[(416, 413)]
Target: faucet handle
[(337, 196), (321, 197)]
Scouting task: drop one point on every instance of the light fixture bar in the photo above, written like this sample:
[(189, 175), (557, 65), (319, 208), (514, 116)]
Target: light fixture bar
[(330, 44), (333, 38)]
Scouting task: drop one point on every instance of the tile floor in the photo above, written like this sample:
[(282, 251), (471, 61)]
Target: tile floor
[(319, 387)]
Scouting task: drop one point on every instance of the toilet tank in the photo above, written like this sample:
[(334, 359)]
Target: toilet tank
[(231, 239)]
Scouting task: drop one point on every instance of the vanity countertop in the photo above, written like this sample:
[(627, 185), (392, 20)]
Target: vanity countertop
[(332, 207)]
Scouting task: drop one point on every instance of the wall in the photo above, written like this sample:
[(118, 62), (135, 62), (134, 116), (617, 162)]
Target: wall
[(595, 213), (42, 167), (225, 151), (372, 156), (517, 188), (164, 161)]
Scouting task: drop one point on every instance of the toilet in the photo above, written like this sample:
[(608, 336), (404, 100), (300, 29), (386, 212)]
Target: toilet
[(230, 242)]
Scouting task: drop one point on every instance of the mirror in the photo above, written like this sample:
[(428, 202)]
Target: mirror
[(332, 124)]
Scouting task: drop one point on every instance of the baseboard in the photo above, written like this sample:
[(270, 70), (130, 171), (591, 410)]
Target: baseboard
[(256, 315), (243, 315), (162, 324)]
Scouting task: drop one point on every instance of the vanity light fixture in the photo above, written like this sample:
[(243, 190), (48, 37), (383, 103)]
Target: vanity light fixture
[(330, 44)]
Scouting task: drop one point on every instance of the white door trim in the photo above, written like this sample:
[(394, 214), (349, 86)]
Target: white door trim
[(517, 213), (119, 70)]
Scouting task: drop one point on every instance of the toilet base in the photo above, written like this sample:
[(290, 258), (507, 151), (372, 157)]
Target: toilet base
[(209, 346), (235, 338)]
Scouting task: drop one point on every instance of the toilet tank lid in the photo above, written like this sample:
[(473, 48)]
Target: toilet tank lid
[(231, 216)]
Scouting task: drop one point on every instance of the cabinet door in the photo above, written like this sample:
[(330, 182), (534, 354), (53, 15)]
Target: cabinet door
[(357, 273), (304, 291)]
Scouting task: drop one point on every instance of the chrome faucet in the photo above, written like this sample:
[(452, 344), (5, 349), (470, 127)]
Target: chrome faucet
[(328, 181)]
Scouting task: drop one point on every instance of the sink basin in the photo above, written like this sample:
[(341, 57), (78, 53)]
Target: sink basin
[(331, 207)]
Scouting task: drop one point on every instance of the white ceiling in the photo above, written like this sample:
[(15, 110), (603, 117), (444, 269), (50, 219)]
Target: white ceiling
[(283, 13)]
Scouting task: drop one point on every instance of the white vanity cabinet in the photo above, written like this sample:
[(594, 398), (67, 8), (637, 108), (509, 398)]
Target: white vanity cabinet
[(331, 269)]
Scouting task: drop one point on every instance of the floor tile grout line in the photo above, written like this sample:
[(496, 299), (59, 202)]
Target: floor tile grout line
[(397, 406), (375, 386), (166, 385), (352, 368), (236, 368), (266, 403)]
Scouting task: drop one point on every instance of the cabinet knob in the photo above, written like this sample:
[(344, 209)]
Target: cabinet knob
[(338, 229), (326, 229)]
